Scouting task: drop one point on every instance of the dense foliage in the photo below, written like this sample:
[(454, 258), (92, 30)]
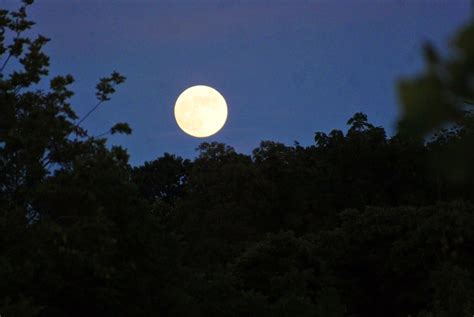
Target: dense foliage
[(358, 224)]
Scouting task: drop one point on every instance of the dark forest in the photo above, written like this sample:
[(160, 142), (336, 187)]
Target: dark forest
[(357, 224)]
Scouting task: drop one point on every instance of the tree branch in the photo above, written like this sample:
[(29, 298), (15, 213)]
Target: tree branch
[(89, 113), (9, 53)]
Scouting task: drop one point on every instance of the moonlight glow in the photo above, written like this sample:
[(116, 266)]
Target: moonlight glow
[(200, 111)]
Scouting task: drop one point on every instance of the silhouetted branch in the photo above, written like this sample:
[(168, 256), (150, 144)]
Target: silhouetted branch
[(89, 113), (9, 53)]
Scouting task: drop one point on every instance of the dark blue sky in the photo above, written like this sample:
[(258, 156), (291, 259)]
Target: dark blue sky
[(286, 68)]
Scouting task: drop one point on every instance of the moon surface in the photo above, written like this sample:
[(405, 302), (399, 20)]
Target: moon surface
[(200, 111)]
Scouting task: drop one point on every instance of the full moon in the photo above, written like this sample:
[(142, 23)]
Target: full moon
[(200, 111)]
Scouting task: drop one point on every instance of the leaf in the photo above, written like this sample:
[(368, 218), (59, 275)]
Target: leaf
[(121, 127)]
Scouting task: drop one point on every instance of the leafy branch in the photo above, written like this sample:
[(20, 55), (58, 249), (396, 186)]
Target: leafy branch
[(104, 89)]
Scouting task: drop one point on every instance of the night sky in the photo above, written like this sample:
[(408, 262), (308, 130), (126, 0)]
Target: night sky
[(286, 69)]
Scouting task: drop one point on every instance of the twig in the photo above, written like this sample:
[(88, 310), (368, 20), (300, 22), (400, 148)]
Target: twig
[(88, 113), (9, 53)]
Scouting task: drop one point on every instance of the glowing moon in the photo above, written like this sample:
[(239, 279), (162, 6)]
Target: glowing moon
[(200, 111)]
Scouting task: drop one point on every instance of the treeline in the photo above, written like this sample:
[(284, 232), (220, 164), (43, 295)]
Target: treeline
[(357, 224)]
